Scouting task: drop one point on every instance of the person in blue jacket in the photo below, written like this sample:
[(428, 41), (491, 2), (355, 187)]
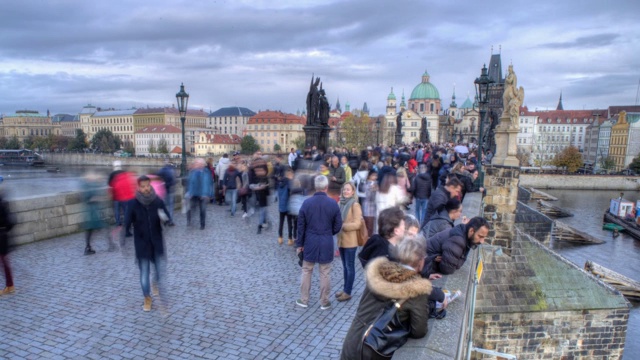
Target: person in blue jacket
[(319, 220), (199, 190)]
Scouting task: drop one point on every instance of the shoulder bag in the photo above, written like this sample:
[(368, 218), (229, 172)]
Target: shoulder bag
[(386, 334)]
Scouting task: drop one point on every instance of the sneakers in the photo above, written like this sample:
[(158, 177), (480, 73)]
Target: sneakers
[(8, 290), (290, 242), (89, 251), (302, 304), (325, 306), (280, 241), (147, 303), (245, 215), (344, 297)]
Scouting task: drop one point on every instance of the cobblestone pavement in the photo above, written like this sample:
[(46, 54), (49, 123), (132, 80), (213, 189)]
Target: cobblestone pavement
[(230, 294)]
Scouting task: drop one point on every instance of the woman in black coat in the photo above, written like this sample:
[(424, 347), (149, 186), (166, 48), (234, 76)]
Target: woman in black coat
[(388, 280), (6, 224)]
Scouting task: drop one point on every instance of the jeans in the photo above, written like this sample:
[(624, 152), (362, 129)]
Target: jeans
[(348, 256), (263, 215), (421, 209), (117, 206), (4, 259), (232, 194), (325, 281), (197, 201), (170, 201), (289, 218), (145, 270)]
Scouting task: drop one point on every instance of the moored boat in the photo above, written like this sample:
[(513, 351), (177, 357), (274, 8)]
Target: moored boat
[(21, 157)]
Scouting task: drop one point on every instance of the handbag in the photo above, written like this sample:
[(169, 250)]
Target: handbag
[(386, 334), (362, 233)]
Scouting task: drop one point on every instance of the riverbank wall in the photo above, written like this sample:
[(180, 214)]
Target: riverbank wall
[(580, 182), (45, 217), (55, 159)]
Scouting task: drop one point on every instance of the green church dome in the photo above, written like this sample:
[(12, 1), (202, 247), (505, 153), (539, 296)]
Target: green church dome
[(425, 90), (467, 104), (391, 96)]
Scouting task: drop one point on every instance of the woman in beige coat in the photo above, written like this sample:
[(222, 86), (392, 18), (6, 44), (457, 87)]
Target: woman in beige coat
[(348, 237)]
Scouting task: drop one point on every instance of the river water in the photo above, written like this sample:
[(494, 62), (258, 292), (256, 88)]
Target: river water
[(621, 254)]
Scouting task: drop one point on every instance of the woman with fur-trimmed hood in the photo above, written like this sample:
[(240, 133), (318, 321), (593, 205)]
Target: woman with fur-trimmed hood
[(388, 280)]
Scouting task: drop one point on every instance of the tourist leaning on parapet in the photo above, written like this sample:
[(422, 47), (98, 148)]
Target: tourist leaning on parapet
[(444, 219), (440, 197), (390, 232), (447, 250), (386, 281)]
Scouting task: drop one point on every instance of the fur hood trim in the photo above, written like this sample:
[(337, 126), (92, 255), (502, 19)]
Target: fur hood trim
[(394, 281)]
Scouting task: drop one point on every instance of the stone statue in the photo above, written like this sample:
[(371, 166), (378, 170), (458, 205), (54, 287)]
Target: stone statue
[(423, 130), (313, 98), (399, 123), (324, 109), (512, 98)]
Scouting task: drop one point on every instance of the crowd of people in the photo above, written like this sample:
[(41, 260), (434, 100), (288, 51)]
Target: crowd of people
[(327, 200)]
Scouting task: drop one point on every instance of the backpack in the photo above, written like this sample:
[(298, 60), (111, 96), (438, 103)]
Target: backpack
[(361, 185)]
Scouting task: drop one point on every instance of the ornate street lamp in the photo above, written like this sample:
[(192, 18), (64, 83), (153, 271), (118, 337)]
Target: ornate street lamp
[(482, 93), (378, 132), (183, 100)]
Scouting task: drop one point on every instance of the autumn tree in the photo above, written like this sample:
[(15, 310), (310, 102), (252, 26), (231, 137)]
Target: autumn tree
[(13, 143), (128, 147), (570, 158), (163, 147), (300, 142), (79, 142), (523, 157), (357, 131), (635, 164)]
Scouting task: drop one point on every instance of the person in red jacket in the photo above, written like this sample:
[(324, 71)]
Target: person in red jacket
[(123, 190)]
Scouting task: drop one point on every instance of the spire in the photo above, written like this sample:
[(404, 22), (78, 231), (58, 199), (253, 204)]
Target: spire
[(560, 103), (338, 105), (403, 105), (365, 108), (453, 98), (391, 96)]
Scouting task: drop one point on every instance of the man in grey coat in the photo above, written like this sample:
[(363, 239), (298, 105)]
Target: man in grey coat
[(318, 220)]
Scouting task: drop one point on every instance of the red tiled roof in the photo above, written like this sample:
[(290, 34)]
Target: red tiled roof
[(169, 110), (223, 139), (276, 117), (164, 129), (566, 116), (176, 150)]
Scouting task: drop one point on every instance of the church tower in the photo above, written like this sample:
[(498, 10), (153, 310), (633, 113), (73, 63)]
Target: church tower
[(338, 105), (391, 104), (560, 103), (365, 108), (453, 107), (403, 105)]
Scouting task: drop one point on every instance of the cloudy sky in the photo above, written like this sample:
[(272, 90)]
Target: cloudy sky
[(63, 54)]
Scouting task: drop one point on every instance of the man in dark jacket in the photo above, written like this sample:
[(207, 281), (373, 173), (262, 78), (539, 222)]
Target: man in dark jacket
[(167, 173), (390, 232), (421, 190), (444, 219), (142, 212), (447, 250), (6, 224), (440, 197), (318, 220), (337, 178)]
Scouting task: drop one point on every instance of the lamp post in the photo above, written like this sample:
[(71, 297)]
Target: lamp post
[(183, 100), (482, 92), (378, 132)]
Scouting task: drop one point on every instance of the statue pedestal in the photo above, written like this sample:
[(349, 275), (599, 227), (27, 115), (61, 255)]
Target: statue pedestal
[(323, 142), (398, 139), (312, 135), (506, 144)]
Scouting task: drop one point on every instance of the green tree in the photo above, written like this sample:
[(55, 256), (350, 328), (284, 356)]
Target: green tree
[(105, 142), (128, 147), (152, 147), (300, 142), (357, 131), (163, 147), (249, 145), (571, 158), (13, 143), (58, 142), (79, 142), (635, 164), (277, 148), (28, 142), (607, 163), (3, 142)]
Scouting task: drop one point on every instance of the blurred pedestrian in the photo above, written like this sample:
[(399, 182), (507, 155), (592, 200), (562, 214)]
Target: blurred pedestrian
[(123, 186), (260, 188), (199, 190), (148, 241), (167, 173), (283, 191), (319, 219), (231, 182), (369, 210), (92, 196), (221, 169), (6, 224)]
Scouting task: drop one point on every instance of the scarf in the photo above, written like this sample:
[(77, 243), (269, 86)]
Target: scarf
[(146, 200), (345, 206)]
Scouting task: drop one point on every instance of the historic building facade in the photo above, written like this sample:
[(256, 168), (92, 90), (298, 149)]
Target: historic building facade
[(149, 139), (229, 120), (169, 116), (119, 122), (217, 144), (25, 123), (275, 127)]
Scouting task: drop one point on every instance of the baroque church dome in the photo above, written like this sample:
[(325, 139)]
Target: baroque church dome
[(425, 90)]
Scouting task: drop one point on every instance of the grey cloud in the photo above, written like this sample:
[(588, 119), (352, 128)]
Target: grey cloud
[(584, 42)]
